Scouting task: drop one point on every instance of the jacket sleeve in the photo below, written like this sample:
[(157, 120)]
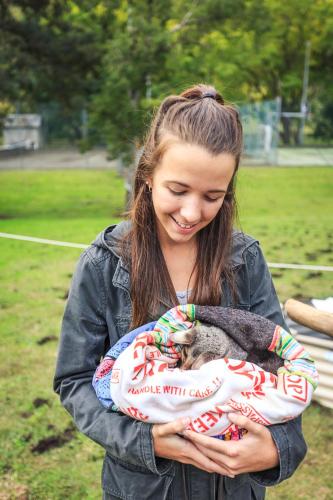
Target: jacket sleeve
[(84, 336), (288, 437)]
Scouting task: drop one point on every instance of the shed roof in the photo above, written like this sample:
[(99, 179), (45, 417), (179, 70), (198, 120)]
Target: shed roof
[(22, 121)]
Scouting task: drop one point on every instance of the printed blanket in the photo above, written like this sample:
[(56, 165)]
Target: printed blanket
[(274, 384)]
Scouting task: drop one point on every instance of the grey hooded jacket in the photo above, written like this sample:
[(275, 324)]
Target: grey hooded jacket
[(97, 314)]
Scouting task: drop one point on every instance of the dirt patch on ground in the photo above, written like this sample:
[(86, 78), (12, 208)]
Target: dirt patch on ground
[(40, 402), (326, 250), (37, 403), (48, 338), (26, 414), (314, 274), (56, 441), (27, 437), (312, 256)]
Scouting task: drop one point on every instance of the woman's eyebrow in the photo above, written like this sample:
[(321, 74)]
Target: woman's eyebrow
[(187, 186)]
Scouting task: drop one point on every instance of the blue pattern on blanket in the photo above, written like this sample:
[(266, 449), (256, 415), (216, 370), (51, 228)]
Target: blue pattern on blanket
[(102, 376)]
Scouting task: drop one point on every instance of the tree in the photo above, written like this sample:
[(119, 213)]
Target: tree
[(133, 65), (50, 53), (118, 58)]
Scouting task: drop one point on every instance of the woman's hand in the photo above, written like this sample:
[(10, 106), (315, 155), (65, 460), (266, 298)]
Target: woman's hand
[(169, 444), (256, 451)]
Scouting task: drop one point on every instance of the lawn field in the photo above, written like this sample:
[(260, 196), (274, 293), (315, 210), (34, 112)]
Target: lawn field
[(42, 456)]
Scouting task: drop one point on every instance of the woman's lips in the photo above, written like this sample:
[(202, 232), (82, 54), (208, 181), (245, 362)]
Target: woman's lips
[(184, 228)]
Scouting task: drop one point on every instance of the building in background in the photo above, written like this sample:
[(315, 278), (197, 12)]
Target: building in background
[(22, 131)]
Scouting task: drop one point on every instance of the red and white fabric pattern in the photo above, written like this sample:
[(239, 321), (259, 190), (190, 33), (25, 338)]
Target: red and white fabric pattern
[(144, 386)]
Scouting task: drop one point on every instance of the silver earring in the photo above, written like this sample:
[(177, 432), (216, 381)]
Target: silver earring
[(149, 187)]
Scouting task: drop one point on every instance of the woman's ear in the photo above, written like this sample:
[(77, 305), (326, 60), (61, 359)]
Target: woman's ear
[(149, 182)]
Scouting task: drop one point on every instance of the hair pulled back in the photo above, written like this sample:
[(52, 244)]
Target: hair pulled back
[(200, 117)]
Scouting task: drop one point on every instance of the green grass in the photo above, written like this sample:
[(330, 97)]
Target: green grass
[(288, 210)]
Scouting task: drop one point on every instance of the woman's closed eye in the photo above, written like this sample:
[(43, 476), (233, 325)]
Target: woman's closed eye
[(207, 198), (176, 193)]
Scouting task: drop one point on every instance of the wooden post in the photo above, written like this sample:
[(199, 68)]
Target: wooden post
[(306, 315)]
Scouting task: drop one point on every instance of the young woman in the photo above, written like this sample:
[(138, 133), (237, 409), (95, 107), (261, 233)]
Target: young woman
[(178, 246)]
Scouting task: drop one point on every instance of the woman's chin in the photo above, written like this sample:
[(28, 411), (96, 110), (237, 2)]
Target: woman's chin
[(180, 236)]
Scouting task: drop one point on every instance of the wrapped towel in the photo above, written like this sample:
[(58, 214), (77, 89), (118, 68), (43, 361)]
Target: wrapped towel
[(274, 384)]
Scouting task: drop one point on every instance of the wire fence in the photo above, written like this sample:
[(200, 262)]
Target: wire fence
[(44, 241), (261, 130), (61, 129)]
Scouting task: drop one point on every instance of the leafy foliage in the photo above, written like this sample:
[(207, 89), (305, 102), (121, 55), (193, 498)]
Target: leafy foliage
[(118, 58)]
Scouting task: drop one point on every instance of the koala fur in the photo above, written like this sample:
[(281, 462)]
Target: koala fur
[(203, 343)]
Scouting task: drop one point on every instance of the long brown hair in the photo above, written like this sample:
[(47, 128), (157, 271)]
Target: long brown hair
[(197, 116)]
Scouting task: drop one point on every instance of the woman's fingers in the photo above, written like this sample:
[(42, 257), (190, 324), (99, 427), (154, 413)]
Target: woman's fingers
[(225, 447), (175, 427), (223, 462), (169, 444), (240, 456), (227, 455), (197, 457), (245, 423), (214, 455)]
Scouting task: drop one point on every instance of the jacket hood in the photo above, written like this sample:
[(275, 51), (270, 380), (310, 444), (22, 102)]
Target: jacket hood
[(109, 237)]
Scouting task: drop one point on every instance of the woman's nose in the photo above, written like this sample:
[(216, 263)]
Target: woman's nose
[(191, 211)]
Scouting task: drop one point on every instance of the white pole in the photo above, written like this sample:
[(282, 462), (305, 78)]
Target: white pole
[(304, 91)]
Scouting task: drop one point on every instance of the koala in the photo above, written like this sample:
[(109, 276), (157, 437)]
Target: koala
[(203, 343)]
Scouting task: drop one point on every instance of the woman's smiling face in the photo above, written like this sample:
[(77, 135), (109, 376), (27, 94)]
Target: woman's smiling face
[(188, 189)]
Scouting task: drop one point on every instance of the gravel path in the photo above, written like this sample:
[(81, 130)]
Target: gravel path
[(56, 159), (50, 159)]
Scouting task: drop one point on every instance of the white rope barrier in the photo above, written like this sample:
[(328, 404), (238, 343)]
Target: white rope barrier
[(300, 266), (42, 240), (79, 245)]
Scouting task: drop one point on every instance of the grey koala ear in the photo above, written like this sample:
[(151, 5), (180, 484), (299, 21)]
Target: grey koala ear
[(185, 337)]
